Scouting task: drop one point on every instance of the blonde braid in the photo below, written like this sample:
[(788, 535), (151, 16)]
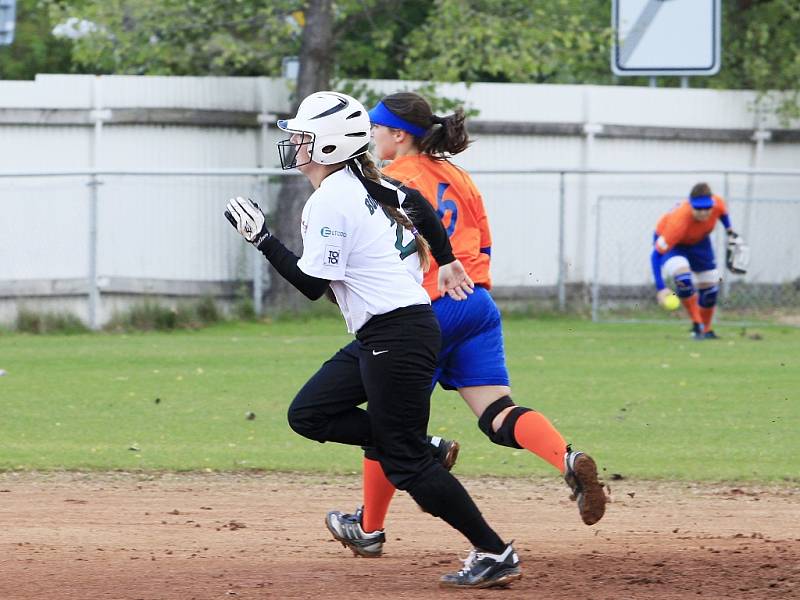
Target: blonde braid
[(372, 172)]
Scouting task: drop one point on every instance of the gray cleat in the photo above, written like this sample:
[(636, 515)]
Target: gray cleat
[(484, 570), (346, 528)]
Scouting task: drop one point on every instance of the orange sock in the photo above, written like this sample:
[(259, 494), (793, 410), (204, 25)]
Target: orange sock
[(707, 314), (535, 433), (378, 493), (691, 306)]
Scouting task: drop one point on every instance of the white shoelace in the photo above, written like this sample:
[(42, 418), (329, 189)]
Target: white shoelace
[(473, 557)]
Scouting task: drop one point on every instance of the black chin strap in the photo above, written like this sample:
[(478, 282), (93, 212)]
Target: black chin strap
[(384, 195)]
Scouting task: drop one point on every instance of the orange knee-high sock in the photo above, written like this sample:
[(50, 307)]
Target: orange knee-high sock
[(378, 493), (691, 306), (535, 433), (707, 314)]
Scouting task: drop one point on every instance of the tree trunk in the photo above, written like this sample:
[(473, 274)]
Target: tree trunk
[(315, 70)]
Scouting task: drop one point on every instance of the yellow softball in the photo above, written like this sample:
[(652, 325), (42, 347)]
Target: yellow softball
[(671, 302)]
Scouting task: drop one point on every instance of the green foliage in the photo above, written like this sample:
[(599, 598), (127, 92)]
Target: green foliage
[(244, 309), (369, 97), (35, 49), (150, 315), (182, 37), (29, 321), (549, 41), (207, 311), (761, 51), (553, 41), (372, 36), (644, 400)]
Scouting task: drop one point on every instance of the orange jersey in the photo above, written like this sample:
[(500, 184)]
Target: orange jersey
[(678, 226), (460, 206)]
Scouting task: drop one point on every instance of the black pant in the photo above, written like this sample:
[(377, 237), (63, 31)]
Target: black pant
[(390, 366)]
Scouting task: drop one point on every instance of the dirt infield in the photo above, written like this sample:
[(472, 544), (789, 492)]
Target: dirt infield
[(217, 536)]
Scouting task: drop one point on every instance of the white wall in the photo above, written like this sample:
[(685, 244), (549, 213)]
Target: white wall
[(160, 228)]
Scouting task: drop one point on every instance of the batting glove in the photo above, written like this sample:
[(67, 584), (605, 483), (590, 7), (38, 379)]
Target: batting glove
[(247, 218)]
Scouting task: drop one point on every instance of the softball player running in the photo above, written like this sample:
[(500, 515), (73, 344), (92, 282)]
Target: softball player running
[(355, 240), (472, 360), (682, 249)]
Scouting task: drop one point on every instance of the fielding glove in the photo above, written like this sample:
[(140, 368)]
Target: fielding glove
[(737, 254)]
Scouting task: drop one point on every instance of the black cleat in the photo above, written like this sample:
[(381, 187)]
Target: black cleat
[(444, 451), (483, 570), (581, 477), (346, 528), (710, 335), (697, 331)]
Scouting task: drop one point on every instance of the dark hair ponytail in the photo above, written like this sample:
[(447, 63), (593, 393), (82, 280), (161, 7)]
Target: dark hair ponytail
[(444, 136), (367, 169)]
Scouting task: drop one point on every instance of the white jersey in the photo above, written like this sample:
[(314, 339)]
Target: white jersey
[(350, 241)]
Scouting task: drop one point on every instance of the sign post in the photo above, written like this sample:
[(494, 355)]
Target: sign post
[(666, 37)]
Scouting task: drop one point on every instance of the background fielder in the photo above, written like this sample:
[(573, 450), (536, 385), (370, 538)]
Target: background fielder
[(682, 249)]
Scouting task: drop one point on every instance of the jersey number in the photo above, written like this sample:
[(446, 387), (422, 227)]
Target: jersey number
[(407, 249), (444, 206)]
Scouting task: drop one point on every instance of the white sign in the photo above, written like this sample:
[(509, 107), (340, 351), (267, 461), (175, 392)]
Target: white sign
[(666, 37), (7, 21)]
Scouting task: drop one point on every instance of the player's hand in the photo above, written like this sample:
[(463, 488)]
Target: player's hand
[(662, 295), (247, 218), (454, 281), (732, 235)]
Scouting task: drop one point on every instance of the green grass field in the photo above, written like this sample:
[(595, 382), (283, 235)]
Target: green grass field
[(645, 400)]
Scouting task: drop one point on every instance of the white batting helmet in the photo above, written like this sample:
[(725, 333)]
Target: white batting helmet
[(338, 125)]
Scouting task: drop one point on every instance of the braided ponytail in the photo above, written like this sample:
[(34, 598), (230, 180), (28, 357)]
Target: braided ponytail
[(370, 172)]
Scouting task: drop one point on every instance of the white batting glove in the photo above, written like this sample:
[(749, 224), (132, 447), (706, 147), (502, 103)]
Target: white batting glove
[(247, 218)]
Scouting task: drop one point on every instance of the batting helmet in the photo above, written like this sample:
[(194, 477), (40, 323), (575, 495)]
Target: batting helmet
[(338, 127)]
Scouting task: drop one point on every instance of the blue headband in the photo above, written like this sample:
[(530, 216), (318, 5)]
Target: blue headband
[(380, 115), (701, 202)]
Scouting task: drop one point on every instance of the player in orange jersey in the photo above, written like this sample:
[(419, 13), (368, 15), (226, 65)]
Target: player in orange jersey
[(682, 249), (472, 361)]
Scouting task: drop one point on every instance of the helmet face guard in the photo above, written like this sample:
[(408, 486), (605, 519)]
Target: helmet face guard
[(289, 150), (335, 128)]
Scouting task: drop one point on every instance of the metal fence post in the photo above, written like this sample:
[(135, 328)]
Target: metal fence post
[(258, 259), (258, 284), (726, 283), (596, 282), (265, 119), (97, 115), (562, 291), (94, 291)]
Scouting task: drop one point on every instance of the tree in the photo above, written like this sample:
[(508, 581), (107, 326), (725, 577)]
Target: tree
[(371, 37), (761, 51), (35, 49), (181, 37), (315, 73), (551, 41)]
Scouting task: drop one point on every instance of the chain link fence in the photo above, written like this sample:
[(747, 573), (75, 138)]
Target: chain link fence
[(94, 242), (623, 287)]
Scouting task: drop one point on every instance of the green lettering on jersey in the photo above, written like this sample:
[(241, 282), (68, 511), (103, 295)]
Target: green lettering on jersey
[(371, 205), (407, 249)]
